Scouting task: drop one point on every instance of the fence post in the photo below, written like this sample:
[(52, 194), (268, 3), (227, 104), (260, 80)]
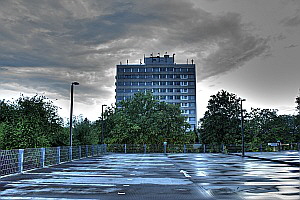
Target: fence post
[(70, 153), (79, 152), (42, 161), (223, 148), (184, 148), (145, 148), (125, 150), (92, 150), (165, 147), (260, 147), (97, 149), (86, 151), (105, 146), (204, 148), (20, 160), (58, 154)]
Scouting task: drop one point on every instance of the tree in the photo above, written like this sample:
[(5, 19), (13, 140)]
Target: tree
[(30, 123), (143, 120), (220, 124), (84, 132)]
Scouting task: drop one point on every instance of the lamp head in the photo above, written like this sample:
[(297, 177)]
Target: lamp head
[(75, 83)]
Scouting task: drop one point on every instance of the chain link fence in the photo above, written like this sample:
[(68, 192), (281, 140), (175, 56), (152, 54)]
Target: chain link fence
[(19, 160)]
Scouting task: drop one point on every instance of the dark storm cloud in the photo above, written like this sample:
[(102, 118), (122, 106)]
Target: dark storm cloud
[(63, 41)]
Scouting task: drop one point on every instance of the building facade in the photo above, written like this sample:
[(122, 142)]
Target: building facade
[(168, 81)]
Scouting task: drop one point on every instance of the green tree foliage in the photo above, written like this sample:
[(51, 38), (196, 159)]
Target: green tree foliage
[(220, 124), (143, 120), (30, 123), (85, 132)]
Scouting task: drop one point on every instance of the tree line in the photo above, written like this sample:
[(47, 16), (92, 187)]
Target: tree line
[(221, 123), (33, 122)]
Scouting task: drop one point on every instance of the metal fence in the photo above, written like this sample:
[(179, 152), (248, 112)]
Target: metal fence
[(17, 161)]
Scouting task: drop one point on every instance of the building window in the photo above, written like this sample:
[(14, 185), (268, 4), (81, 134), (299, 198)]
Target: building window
[(176, 76), (127, 90), (155, 83), (148, 83), (169, 82), (155, 69), (155, 90), (170, 90), (141, 76), (192, 112), (163, 76), (169, 75), (119, 98), (177, 97), (192, 104), (184, 70), (170, 97), (176, 90), (163, 69), (162, 90), (191, 70), (163, 83), (183, 76), (191, 76), (184, 98), (149, 69), (192, 97), (127, 69), (184, 90), (191, 83), (184, 111), (184, 83), (141, 83), (169, 69), (162, 97), (184, 105), (142, 69), (135, 69), (192, 119), (156, 76), (177, 69), (176, 83)]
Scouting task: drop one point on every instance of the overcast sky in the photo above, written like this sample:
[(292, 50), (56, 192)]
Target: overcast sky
[(250, 48)]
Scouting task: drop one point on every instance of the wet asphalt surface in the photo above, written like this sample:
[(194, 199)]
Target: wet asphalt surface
[(157, 176)]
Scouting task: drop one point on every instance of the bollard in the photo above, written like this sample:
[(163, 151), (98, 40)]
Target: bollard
[(145, 148), (58, 155), (92, 150), (20, 160), (204, 148), (42, 161), (184, 148), (125, 150)]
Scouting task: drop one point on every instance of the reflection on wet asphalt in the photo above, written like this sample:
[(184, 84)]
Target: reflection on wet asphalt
[(157, 176)]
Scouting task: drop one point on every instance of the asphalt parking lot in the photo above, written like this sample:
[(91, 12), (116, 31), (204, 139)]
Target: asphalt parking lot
[(157, 176)]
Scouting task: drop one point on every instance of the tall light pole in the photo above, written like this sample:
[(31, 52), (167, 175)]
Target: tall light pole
[(71, 111), (242, 128), (102, 135)]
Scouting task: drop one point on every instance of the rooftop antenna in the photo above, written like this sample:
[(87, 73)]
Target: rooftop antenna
[(192, 61), (140, 61), (187, 61), (127, 62), (173, 57)]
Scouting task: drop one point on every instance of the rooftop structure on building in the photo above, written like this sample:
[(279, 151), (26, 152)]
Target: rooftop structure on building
[(168, 81)]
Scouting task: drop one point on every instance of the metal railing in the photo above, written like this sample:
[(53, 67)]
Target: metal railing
[(19, 160)]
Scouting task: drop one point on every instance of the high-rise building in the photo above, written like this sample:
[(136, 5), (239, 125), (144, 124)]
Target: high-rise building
[(168, 81)]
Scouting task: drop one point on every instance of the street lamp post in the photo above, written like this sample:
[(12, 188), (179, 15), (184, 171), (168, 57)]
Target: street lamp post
[(71, 111), (242, 128), (102, 135)]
